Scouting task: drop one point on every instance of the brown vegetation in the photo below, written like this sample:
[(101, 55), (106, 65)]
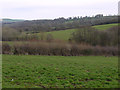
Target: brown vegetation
[(60, 49), (95, 37)]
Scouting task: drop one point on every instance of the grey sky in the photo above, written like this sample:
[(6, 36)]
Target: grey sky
[(49, 9)]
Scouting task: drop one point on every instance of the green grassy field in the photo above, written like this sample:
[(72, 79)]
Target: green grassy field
[(104, 27), (66, 34), (59, 71), (62, 34)]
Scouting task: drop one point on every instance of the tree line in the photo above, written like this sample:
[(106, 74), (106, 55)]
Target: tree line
[(91, 36), (62, 23)]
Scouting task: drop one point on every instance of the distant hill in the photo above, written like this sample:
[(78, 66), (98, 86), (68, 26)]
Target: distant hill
[(58, 24), (6, 20), (66, 34)]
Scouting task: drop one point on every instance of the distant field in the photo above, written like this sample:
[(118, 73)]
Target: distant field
[(104, 27), (59, 71), (61, 35), (66, 34)]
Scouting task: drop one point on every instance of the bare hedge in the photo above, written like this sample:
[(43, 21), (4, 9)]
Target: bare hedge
[(57, 49)]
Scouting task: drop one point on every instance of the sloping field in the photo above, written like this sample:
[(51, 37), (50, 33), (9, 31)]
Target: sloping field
[(63, 34), (104, 27), (66, 34)]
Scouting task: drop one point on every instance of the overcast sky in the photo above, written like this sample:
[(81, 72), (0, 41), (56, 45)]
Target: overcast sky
[(49, 9)]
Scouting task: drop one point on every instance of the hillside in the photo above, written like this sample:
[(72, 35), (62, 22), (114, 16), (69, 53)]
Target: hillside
[(6, 20), (66, 34), (104, 27), (58, 24)]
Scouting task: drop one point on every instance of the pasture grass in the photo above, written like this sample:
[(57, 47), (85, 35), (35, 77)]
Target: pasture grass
[(66, 34), (59, 71), (60, 35), (105, 26)]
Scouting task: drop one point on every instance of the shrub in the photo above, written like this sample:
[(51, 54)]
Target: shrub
[(59, 49), (6, 48), (95, 37)]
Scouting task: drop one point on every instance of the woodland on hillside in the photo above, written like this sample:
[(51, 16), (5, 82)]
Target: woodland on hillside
[(87, 40)]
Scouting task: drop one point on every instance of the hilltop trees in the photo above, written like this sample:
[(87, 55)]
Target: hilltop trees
[(86, 34), (61, 23), (85, 41)]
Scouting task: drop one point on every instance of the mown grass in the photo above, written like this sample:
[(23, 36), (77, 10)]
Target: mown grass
[(59, 72)]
